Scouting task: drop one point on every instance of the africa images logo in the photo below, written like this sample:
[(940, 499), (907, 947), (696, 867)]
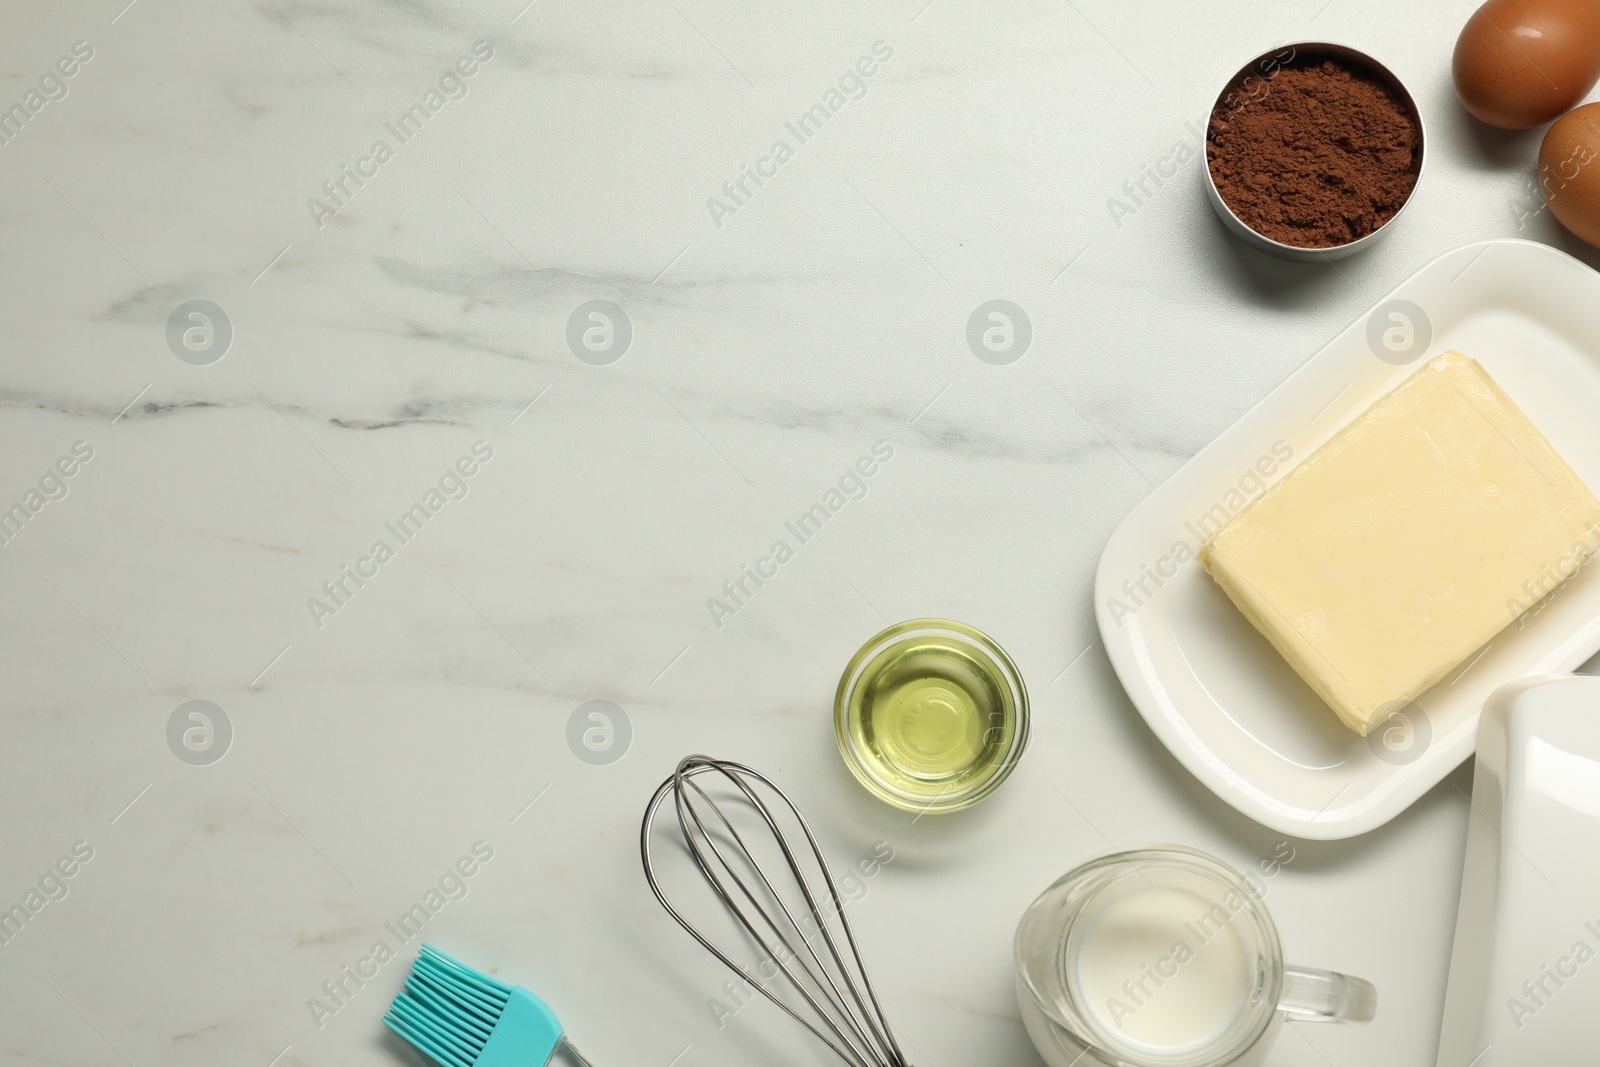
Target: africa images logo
[(1142, 588), (340, 190), (851, 85)]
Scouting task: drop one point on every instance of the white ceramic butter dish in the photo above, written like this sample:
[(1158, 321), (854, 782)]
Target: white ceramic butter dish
[(1525, 970), (1210, 686)]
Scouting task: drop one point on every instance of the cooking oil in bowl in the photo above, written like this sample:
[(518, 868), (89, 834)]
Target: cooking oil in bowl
[(931, 715), (926, 712)]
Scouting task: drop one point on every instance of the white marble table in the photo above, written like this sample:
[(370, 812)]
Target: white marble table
[(419, 309)]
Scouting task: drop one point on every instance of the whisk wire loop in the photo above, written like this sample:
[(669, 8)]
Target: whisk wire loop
[(821, 974), (859, 1018), (830, 978)]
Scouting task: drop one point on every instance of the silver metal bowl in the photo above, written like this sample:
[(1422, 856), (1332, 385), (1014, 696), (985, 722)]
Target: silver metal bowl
[(1265, 67)]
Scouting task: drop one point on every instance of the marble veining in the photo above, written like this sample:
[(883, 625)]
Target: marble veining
[(435, 309)]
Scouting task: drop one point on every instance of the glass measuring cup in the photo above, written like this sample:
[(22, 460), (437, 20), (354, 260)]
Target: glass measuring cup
[(1165, 957)]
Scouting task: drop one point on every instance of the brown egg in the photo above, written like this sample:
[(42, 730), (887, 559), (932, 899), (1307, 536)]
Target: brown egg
[(1569, 171), (1520, 63)]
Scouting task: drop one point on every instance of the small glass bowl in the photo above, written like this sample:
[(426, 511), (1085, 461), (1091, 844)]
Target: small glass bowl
[(954, 716)]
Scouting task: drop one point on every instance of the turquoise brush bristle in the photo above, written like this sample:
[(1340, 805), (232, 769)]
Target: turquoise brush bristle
[(465, 1019)]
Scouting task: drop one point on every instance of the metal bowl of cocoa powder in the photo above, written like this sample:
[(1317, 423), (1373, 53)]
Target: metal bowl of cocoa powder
[(1312, 151)]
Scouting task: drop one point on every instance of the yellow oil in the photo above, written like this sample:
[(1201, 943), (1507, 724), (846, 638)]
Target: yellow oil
[(931, 716)]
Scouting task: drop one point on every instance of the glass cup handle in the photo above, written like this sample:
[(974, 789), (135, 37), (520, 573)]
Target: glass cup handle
[(1313, 996)]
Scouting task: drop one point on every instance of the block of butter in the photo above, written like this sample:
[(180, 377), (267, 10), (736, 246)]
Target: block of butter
[(1400, 547)]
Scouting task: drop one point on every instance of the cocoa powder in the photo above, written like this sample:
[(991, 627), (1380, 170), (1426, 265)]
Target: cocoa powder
[(1315, 154)]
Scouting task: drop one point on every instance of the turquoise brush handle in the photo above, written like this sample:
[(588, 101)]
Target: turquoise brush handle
[(526, 1036), (525, 1032), (462, 1018)]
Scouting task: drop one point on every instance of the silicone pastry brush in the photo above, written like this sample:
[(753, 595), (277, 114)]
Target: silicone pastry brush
[(466, 1019)]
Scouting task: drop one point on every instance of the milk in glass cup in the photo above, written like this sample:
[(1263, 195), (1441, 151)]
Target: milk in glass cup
[(1165, 957)]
